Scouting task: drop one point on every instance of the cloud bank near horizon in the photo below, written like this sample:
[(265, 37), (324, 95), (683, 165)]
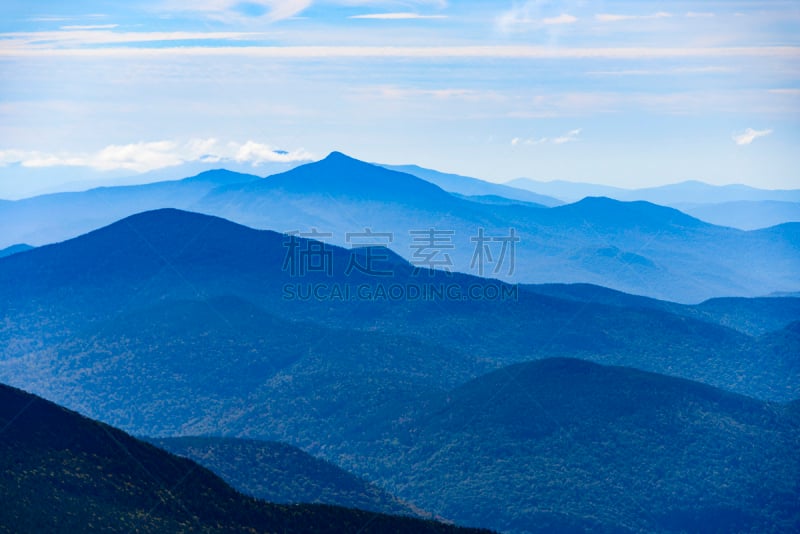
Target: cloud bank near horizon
[(145, 156)]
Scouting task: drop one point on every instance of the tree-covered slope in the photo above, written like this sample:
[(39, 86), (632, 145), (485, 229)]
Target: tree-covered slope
[(61, 472), (277, 472)]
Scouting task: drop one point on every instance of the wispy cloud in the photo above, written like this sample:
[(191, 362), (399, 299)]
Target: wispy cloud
[(90, 27), (90, 37), (711, 69), (397, 16), (563, 18), (749, 135), (84, 43), (404, 93), (568, 137), (233, 10), (790, 92), (517, 141), (530, 14), (695, 15), (148, 156), (608, 17)]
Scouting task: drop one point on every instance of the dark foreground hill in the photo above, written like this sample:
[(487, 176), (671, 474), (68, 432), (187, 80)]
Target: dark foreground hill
[(60, 472), (279, 473)]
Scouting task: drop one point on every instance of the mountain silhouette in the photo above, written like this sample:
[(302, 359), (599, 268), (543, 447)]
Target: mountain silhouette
[(636, 247)]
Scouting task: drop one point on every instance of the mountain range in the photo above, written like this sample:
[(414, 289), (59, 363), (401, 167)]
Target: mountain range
[(635, 247), (687, 193), (474, 187), (736, 206), (172, 323), (332, 353), (66, 295)]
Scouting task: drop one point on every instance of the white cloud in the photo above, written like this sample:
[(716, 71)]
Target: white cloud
[(530, 141), (90, 27), (749, 135), (695, 15), (607, 17), (530, 14), (233, 10), (148, 156), (65, 39), (664, 71), (402, 93), (571, 135), (138, 157), (32, 47), (397, 16), (563, 18), (790, 92), (258, 153)]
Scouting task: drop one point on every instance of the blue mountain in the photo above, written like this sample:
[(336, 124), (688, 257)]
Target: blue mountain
[(635, 247), (172, 323), (13, 249), (467, 186)]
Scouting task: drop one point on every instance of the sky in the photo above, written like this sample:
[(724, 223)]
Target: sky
[(623, 93)]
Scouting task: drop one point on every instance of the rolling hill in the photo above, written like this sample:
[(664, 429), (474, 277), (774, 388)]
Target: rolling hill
[(279, 473), (610, 449), (66, 299)]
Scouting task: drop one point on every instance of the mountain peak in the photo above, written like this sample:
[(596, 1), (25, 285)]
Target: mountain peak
[(341, 175), (336, 155)]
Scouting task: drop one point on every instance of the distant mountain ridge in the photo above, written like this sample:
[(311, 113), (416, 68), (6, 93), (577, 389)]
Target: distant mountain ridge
[(688, 192), (58, 216), (468, 186), (746, 214), (635, 247), (14, 249), (737, 206)]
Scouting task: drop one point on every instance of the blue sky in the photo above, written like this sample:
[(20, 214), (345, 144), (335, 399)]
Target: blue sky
[(631, 94)]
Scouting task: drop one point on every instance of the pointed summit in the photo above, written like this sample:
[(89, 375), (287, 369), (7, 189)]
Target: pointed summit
[(343, 176)]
